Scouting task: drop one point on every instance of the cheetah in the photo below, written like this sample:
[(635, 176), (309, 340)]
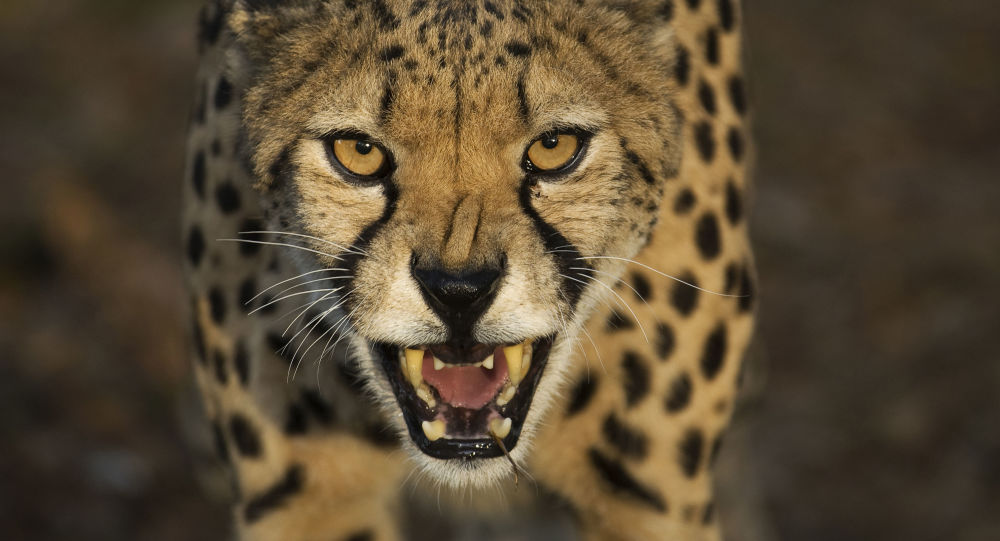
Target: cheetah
[(494, 249)]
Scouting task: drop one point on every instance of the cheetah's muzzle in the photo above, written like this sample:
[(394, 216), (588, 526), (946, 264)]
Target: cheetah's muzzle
[(457, 398)]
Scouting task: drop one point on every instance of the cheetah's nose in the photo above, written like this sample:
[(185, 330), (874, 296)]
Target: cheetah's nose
[(458, 298)]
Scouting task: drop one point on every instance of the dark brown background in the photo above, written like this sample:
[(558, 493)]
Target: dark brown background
[(873, 409)]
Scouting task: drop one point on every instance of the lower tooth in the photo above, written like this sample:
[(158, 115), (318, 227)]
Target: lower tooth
[(499, 427), (438, 364), (434, 430), (506, 395), (488, 363), (424, 393)]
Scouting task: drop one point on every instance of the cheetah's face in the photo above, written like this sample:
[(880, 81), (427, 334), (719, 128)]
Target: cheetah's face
[(461, 168)]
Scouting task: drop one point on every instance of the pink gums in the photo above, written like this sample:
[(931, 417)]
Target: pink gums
[(466, 386)]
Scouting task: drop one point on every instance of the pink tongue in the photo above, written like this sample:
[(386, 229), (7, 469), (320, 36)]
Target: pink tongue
[(466, 386)]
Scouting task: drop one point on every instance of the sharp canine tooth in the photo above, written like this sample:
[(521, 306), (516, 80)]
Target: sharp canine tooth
[(414, 366), (434, 430), (526, 361), (499, 427), (488, 362), (438, 364), (514, 360)]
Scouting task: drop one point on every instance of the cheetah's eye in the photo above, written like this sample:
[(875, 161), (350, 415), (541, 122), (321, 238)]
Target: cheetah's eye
[(552, 152), (360, 157)]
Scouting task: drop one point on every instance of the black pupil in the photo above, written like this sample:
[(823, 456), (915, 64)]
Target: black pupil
[(550, 141), (363, 147)]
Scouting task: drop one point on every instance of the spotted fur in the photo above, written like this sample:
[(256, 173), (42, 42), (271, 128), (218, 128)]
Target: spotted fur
[(637, 261)]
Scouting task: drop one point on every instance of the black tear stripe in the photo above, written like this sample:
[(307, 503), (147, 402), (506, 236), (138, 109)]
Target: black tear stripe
[(615, 474), (349, 260), (574, 280), (275, 497)]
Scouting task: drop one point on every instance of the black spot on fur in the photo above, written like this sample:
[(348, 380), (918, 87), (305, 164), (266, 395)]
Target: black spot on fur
[(746, 293), (417, 7), (361, 536), (665, 340), (666, 11), (296, 422), (735, 141), (581, 394), (704, 140), (217, 303), (279, 345), (618, 321), (384, 17), (221, 374), (244, 436), (630, 442), (727, 16), (737, 95), (320, 408), (522, 98), (388, 97), (381, 434), (248, 289), (613, 472), (639, 163), (198, 341), (392, 53), (492, 9), (289, 485), (690, 449), (518, 48), (731, 275), (679, 394), (198, 174), (685, 201), (706, 96), (707, 236), (353, 380), (682, 65), (734, 203), (250, 248), (241, 360), (223, 93), (712, 46), (643, 290), (210, 24), (195, 245), (683, 297), (709, 514), (714, 352), (636, 378), (227, 197), (693, 4), (713, 454), (219, 439)]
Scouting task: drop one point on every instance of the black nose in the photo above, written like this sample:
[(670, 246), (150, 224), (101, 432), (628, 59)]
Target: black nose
[(459, 299)]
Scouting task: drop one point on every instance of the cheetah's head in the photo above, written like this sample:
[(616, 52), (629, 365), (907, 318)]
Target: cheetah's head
[(468, 171)]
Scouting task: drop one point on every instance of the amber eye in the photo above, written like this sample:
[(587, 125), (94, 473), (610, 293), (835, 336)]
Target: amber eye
[(552, 152), (360, 157)]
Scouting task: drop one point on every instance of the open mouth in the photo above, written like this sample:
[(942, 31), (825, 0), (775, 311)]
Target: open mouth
[(464, 401)]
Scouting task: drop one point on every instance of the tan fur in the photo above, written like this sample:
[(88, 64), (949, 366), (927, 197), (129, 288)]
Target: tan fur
[(310, 68)]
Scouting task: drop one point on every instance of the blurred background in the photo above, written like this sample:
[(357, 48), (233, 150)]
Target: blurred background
[(873, 410)]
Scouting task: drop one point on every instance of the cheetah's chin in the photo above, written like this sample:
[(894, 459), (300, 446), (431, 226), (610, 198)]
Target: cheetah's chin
[(465, 400)]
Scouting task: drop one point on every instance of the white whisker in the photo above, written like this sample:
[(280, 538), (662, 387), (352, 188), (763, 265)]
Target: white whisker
[(661, 273), (347, 250)]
